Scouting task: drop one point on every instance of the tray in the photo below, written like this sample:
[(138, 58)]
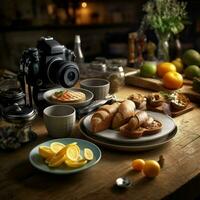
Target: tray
[(155, 84), (160, 109)]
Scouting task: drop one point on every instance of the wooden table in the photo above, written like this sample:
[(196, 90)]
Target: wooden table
[(179, 179)]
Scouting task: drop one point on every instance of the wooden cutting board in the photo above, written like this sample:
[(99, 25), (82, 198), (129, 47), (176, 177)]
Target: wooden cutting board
[(155, 84), (172, 113)]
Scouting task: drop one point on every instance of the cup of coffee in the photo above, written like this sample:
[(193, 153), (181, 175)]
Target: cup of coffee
[(99, 87), (59, 120)]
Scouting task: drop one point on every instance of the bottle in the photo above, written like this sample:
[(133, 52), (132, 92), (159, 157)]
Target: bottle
[(79, 59), (132, 49)]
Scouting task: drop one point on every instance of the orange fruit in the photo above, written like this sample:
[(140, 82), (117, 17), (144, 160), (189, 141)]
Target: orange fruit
[(172, 80), (151, 168), (164, 67), (138, 164)]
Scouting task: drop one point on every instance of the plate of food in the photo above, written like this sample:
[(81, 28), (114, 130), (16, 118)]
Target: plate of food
[(121, 146), (76, 97), (65, 156), (123, 122), (167, 122)]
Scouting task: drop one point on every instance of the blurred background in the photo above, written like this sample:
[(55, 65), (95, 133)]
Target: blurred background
[(102, 24)]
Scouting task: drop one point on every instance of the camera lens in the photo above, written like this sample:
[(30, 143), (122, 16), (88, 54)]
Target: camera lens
[(71, 76), (63, 73)]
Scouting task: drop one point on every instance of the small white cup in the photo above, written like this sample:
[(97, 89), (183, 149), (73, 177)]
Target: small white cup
[(59, 120), (99, 87)]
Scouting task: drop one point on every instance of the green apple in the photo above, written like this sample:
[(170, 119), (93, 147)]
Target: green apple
[(192, 71), (148, 69)]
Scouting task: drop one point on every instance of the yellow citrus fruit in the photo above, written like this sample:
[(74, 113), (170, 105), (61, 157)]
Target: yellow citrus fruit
[(75, 164), (179, 65), (80, 157), (75, 146), (71, 144), (179, 60), (164, 67), (72, 153), (56, 146), (138, 164), (88, 154), (151, 168), (46, 152), (58, 159)]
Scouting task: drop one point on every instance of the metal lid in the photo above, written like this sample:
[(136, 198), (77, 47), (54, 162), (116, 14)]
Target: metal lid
[(116, 68), (19, 114), (12, 94)]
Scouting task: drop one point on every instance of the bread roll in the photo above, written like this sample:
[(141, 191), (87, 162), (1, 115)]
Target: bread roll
[(140, 124), (137, 120), (102, 118), (125, 111)]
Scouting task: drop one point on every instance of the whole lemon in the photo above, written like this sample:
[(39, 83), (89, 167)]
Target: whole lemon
[(151, 168), (178, 64)]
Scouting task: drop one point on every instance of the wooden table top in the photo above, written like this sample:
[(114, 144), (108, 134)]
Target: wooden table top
[(178, 179)]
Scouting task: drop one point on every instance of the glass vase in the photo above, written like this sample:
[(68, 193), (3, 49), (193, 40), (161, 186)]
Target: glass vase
[(163, 46)]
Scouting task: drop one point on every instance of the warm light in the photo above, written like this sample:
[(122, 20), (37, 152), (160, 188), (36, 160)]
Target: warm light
[(84, 4)]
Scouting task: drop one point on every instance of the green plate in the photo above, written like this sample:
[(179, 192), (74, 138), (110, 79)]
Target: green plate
[(38, 162)]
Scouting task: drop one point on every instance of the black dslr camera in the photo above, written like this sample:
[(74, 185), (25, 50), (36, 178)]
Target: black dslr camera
[(47, 65)]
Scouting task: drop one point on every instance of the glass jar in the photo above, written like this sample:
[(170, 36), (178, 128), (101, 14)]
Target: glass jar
[(16, 127), (116, 76), (10, 96)]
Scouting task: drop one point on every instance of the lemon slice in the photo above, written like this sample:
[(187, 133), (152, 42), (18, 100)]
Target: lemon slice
[(57, 159), (71, 144), (72, 153), (56, 162), (46, 152), (56, 146), (88, 154), (75, 164)]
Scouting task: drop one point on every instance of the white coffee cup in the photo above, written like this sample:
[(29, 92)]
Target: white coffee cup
[(99, 87), (59, 120)]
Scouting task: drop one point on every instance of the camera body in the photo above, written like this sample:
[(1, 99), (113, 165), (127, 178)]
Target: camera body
[(49, 64)]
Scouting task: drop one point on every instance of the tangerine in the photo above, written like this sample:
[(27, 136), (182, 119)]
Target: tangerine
[(164, 67), (173, 80), (138, 164)]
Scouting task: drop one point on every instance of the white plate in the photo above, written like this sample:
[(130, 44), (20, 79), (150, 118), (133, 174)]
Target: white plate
[(127, 146), (89, 96), (37, 161), (113, 135)]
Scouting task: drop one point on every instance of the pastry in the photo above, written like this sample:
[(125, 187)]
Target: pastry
[(125, 111), (102, 118)]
